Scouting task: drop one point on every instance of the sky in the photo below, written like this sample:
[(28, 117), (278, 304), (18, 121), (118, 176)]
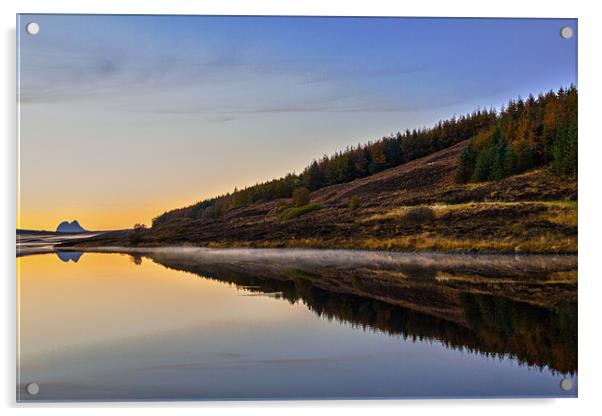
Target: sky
[(124, 117)]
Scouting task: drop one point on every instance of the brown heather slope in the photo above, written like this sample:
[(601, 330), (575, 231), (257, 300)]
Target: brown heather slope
[(531, 212), (430, 180)]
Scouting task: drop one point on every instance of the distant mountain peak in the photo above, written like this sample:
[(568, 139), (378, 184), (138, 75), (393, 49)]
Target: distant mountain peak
[(70, 227)]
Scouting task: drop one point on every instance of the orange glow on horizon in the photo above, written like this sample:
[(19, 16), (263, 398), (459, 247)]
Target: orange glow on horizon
[(91, 218)]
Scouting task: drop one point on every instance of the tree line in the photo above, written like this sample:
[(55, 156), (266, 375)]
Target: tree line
[(522, 135), (527, 134)]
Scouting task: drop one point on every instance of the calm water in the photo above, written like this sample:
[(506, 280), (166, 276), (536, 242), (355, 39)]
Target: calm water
[(293, 324)]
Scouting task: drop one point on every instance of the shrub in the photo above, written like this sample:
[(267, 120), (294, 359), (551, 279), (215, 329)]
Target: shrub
[(281, 206), (354, 203), (418, 215), (295, 212), (300, 197), (136, 235)]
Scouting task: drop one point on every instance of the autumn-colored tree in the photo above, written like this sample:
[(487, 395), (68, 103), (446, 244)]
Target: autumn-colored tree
[(378, 161), (301, 197), (537, 132)]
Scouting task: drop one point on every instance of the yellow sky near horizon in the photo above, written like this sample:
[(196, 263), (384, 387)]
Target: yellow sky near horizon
[(91, 219)]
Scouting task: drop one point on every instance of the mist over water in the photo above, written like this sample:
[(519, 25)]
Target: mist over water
[(497, 264)]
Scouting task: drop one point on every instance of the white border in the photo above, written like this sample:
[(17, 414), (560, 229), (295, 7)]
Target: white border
[(590, 153)]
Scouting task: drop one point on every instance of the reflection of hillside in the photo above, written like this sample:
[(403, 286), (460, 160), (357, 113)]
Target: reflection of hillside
[(415, 307)]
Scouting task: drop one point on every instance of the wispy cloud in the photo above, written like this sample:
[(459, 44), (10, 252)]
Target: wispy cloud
[(210, 84), (329, 75)]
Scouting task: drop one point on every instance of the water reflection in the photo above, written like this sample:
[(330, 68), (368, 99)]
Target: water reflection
[(463, 308), (192, 323), (67, 256)]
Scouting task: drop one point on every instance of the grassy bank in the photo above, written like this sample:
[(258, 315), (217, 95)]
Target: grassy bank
[(543, 227), (422, 242)]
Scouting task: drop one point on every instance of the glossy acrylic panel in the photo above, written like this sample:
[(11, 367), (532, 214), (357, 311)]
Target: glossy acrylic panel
[(216, 207)]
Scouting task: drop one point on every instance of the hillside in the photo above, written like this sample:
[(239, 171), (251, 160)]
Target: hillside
[(414, 206)]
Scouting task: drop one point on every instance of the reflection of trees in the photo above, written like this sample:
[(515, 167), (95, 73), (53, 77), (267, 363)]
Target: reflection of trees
[(136, 259), (539, 335), (496, 326)]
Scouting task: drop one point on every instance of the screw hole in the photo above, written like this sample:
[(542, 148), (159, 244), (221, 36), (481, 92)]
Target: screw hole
[(32, 28), (566, 32), (33, 388), (566, 384)]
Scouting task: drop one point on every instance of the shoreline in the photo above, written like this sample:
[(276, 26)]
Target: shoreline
[(401, 245), (152, 249), (49, 249), (492, 264), (415, 243)]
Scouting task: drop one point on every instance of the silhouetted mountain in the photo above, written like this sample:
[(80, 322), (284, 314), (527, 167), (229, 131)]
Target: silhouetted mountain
[(69, 227)]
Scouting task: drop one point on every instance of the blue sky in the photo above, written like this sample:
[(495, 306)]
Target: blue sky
[(185, 107)]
